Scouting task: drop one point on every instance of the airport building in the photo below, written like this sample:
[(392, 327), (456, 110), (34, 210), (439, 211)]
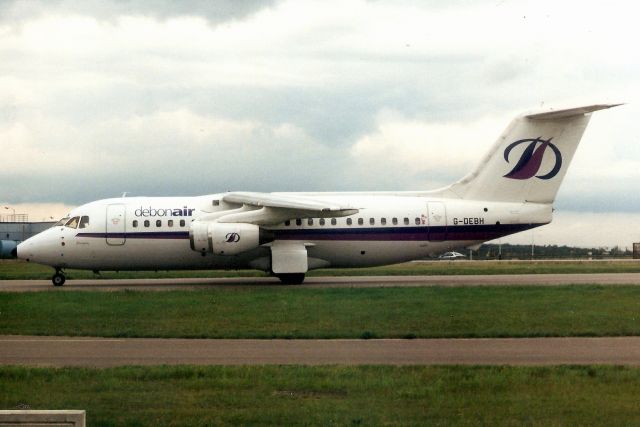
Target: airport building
[(17, 228), (20, 231)]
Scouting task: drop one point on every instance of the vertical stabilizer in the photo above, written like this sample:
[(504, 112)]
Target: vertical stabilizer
[(530, 159)]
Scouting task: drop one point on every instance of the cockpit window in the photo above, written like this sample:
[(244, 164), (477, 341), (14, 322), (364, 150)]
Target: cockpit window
[(73, 222), (84, 222), (63, 221)]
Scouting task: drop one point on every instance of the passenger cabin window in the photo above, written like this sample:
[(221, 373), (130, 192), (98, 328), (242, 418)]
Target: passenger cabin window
[(170, 223), (349, 221), (322, 221), (287, 222), (417, 221), (394, 221), (182, 223), (360, 221), (372, 221), (158, 223), (406, 221), (135, 223), (383, 221), (310, 221), (73, 222), (298, 221), (333, 221), (146, 222)]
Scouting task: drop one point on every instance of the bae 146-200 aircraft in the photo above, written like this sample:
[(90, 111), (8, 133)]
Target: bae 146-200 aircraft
[(287, 234)]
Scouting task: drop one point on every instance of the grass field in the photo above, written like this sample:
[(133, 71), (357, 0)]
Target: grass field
[(17, 269), (257, 312), (331, 395)]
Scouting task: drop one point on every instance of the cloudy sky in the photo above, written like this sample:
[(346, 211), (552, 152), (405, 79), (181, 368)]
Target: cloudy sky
[(196, 97)]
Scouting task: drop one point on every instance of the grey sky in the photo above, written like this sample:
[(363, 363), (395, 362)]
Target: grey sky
[(166, 98)]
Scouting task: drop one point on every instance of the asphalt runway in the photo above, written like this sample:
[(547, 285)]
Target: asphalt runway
[(97, 352), (325, 282)]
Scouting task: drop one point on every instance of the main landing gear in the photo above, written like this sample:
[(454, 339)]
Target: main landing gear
[(58, 278), (291, 278)]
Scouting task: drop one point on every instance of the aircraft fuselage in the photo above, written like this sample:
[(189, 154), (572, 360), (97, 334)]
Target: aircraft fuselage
[(145, 233)]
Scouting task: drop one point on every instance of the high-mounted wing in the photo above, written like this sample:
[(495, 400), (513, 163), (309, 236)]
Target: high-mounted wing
[(272, 209), (284, 201)]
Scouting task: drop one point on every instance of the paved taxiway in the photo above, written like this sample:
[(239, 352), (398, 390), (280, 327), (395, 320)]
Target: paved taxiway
[(326, 282), (96, 352)]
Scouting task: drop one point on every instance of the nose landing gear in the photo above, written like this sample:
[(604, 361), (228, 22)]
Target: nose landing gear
[(58, 278)]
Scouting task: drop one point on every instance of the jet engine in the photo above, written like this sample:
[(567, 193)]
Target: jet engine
[(226, 238)]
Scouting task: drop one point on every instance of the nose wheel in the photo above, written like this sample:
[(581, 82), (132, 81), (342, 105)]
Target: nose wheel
[(58, 278)]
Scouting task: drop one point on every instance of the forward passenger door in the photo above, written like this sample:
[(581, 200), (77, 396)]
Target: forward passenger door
[(116, 225)]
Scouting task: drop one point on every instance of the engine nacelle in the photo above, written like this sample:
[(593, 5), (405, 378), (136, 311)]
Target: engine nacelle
[(226, 238), (233, 238)]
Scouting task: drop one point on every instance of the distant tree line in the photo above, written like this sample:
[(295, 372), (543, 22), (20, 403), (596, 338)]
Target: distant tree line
[(509, 251)]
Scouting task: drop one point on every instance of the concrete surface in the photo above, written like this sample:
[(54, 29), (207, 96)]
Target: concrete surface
[(99, 352), (325, 282), (43, 418)]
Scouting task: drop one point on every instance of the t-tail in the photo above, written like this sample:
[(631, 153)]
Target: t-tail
[(529, 160)]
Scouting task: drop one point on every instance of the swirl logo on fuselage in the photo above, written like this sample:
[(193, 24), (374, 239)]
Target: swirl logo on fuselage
[(531, 159), (232, 238)]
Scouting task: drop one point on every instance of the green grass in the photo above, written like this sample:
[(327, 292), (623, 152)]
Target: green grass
[(258, 312), (331, 395), (17, 269)]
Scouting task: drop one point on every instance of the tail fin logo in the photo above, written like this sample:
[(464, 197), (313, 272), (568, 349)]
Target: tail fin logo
[(531, 159)]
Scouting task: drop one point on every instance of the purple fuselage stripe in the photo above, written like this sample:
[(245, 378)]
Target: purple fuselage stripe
[(149, 235), (357, 233)]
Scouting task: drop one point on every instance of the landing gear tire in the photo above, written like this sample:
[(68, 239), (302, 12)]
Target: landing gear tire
[(291, 278), (58, 279)]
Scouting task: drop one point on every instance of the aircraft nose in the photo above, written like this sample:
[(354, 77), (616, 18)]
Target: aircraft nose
[(40, 249), (21, 251), (27, 250)]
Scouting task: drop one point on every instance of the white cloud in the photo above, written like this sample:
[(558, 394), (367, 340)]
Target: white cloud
[(97, 98), (429, 150)]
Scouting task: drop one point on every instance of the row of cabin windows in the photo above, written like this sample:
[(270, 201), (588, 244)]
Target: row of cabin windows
[(147, 223), (372, 221)]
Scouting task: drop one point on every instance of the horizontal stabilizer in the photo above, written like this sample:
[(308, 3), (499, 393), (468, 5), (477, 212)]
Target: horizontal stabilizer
[(569, 112)]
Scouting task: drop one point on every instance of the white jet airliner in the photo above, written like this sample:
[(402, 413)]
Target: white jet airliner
[(288, 234)]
